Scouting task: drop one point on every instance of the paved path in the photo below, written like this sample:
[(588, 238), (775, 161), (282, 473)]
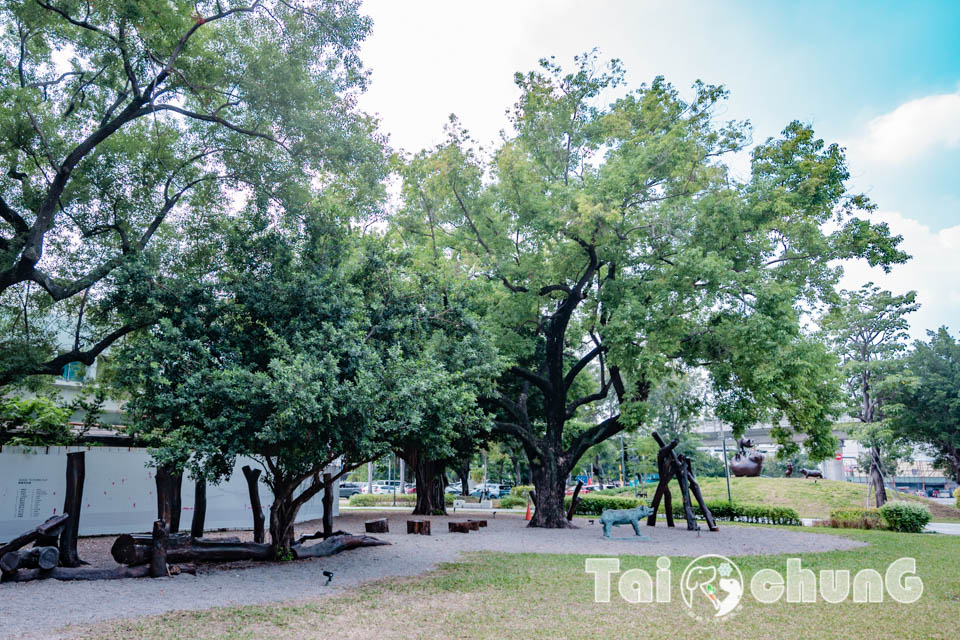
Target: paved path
[(949, 528)]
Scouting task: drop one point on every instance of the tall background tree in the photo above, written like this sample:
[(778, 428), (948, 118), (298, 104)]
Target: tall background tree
[(925, 398), (869, 328), (607, 244), (130, 126)]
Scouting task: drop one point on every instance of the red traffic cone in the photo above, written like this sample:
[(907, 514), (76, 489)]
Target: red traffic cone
[(527, 517)]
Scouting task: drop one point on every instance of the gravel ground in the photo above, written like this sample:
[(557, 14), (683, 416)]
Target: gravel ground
[(34, 611)]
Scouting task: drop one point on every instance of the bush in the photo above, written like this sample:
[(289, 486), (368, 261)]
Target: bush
[(593, 505), (956, 497), (905, 517), (511, 502), (521, 491), (854, 519), (758, 514)]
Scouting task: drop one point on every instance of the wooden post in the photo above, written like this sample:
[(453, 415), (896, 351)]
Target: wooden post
[(72, 503), (327, 505), (199, 508), (574, 500), (176, 487), (158, 557), (162, 478)]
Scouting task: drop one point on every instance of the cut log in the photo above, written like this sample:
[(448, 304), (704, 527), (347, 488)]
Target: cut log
[(158, 557), (35, 558), (50, 528), (458, 527), (376, 526), (480, 523), (420, 527), (72, 503), (90, 573), (474, 525), (335, 544), (199, 508), (252, 476)]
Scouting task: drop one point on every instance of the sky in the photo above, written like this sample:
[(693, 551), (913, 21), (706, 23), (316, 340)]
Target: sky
[(880, 78)]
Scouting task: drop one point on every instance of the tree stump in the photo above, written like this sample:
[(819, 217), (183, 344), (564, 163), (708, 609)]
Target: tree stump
[(376, 526), (458, 527), (421, 527), (480, 523)]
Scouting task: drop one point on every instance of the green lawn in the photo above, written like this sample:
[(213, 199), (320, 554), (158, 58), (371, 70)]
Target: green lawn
[(494, 595), (810, 499)]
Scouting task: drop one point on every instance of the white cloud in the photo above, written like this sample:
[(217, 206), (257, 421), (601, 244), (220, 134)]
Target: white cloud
[(911, 130), (934, 272)]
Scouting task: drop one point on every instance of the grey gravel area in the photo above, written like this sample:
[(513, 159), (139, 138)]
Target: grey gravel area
[(34, 611)]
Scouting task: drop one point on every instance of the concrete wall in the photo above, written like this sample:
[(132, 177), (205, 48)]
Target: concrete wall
[(119, 493)]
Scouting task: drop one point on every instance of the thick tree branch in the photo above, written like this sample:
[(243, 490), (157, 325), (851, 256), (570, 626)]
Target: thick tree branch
[(578, 367), (542, 383)]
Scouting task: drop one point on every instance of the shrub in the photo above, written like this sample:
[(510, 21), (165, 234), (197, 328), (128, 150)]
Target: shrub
[(759, 514), (854, 519), (593, 505), (521, 491), (906, 517), (956, 497), (511, 502)]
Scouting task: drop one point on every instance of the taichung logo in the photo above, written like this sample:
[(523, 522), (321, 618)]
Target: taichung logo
[(714, 582)]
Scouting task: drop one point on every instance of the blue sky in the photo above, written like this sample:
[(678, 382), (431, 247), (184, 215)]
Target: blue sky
[(880, 78)]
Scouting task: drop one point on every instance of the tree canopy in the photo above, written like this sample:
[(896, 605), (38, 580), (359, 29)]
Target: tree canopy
[(613, 244), (127, 128)]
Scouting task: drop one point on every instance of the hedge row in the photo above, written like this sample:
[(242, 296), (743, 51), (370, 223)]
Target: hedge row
[(593, 505), (381, 499), (758, 514)]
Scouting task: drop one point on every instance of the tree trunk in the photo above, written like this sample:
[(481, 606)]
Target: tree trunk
[(72, 503), (327, 505), (550, 480), (176, 489), (199, 508), (158, 557), (429, 477), (876, 477), (164, 490), (463, 472), (282, 515), (252, 475)]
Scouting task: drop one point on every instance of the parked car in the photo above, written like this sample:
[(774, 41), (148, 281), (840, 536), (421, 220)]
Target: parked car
[(348, 489), (453, 488), (486, 490)]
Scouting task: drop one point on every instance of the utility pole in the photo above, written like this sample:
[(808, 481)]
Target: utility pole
[(623, 462)]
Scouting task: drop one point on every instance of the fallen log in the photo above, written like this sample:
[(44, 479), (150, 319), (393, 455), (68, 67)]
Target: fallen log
[(318, 535), (35, 558), (50, 528), (134, 548), (91, 573), (334, 545), (195, 550)]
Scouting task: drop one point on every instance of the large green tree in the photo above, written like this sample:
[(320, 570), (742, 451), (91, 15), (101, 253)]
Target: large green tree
[(868, 328), (924, 405), (608, 243), (124, 125)]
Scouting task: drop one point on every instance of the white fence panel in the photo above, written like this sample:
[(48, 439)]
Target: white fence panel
[(119, 492)]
